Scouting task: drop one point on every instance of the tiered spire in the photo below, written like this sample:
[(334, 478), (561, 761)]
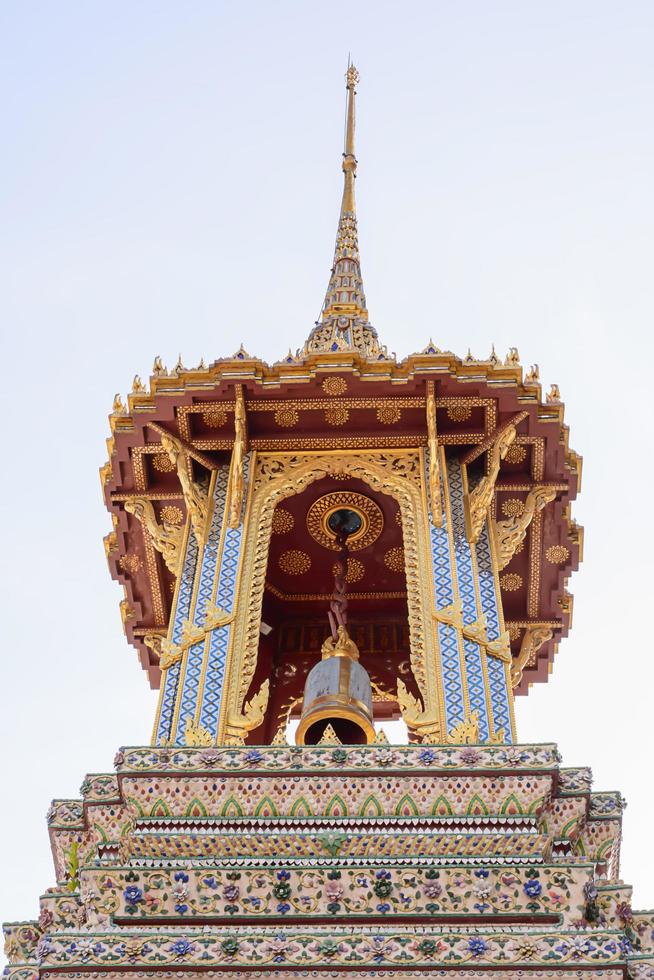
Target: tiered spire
[(344, 319)]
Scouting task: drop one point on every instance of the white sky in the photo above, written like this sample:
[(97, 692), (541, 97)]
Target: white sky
[(170, 182)]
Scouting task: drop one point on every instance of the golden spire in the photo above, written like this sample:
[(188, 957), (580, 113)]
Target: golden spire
[(349, 159), (343, 324)]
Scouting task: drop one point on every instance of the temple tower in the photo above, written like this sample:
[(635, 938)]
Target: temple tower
[(310, 550)]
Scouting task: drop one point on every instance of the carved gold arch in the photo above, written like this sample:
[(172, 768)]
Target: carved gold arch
[(276, 476)]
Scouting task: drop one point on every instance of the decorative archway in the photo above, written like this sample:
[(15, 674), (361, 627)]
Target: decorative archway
[(276, 476)]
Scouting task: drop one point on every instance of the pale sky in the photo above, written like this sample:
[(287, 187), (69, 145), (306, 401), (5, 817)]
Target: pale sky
[(170, 182)]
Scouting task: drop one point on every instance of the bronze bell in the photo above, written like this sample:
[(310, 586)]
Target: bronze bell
[(337, 693)]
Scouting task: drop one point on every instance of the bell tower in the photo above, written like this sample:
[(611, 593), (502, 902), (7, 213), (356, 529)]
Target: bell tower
[(226, 482), (310, 550)]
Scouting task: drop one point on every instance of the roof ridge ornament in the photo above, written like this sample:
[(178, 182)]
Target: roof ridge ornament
[(343, 323)]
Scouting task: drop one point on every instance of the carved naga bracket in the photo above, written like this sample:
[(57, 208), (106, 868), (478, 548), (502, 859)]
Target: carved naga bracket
[(236, 476), (510, 534), (166, 538), (254, 711), (434, 470), (478, 500), (197, 500), (532, 641), (418, 721)]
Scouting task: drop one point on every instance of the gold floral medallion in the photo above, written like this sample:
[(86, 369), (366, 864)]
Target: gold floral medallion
[(394, 559), (283, 521), (355, 570), (334, 386), (557, 554), (294, 562)]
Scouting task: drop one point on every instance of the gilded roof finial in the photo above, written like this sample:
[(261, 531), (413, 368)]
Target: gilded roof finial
[(344, 320), (349, 158)]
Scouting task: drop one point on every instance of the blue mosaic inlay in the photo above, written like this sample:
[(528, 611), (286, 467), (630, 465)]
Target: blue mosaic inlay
[(195, 655), (171, 676), (220, 638), (500, 695), (466, 579)]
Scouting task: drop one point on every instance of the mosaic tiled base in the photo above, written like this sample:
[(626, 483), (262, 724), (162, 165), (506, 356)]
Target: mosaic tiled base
[(386, 860)]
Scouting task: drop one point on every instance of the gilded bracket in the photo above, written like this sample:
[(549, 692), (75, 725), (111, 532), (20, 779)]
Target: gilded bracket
[(434, 471), (166, 538), (172, 653), (236, 479), (510, 534), (197, 500), (451, 615), (532, 641), (479, 500)]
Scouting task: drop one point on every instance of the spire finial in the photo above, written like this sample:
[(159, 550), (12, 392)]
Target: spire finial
[(349, 158), (344, 321)]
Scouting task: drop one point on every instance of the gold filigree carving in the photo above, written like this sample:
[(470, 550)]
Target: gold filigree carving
[(477, 632), (433, 466), (342, 646), (253, 714), (451, 615), (236, 474), (153, 641), (294, 562), (166, 538), (500, 648), (510, 534), (467, 732), (478, 500), (196, 734), (372, 519), (195, 498), (417, 720), (532, 641), (277, 476), (214, 618)]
